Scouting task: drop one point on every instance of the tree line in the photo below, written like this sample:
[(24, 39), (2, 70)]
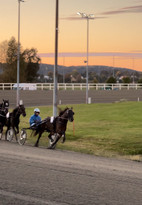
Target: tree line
[(30, 66), (105, 76)]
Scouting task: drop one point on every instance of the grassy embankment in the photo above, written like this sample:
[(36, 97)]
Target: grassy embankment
[(111, 130)]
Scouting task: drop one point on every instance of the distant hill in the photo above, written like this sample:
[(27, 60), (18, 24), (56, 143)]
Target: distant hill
[(45, 68)]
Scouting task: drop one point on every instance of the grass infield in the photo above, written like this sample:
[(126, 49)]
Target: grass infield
[(110, 130)]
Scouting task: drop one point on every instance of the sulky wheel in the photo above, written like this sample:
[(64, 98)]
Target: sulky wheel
[(22, 137), (10, 135)]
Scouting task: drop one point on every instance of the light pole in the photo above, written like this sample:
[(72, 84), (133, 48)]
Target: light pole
[(87, 17), (56, 63), (18, 51)]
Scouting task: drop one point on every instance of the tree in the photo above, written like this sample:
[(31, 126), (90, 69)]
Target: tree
[(3, 51), (68, 78), (93, 77), (75, 73), (50, 74), (60, 78), (104, 75), (9, 74), (111, 79), (140, 80), (32, 60), (3, 56), (95, 80), (29, 64), (126, 80)]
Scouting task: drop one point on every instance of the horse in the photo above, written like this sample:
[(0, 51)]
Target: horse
[(4, 104), (57, 128), (14, 119), (3, 112)]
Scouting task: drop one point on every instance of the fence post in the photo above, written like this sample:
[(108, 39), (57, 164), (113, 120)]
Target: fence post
[(128, 87), (72, 86), (50, 86), (42, 86), (136, 86)]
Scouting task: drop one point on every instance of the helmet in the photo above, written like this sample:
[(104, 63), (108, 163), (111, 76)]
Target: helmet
[(36, 110)]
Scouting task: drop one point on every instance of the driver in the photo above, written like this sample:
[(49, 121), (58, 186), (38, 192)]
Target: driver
[(35, 119)]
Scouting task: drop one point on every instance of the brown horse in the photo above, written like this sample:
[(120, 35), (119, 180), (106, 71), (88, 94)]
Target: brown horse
[(57, 128)]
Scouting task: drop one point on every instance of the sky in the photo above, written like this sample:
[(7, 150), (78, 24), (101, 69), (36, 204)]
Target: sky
[(115, 34)]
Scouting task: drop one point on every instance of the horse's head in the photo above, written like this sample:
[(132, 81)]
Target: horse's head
[(6, 103), (67, 114), (70, 114), (21, 110)]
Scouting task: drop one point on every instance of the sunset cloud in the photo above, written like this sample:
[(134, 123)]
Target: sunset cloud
[(133, 55), (74, 18), (129, 9)]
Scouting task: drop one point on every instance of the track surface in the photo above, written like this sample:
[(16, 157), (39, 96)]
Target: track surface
[(30, 175), (45, 97)]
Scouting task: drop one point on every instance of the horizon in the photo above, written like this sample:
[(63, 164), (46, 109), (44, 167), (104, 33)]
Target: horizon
[(116, 28), (117, 59), (107, 66)]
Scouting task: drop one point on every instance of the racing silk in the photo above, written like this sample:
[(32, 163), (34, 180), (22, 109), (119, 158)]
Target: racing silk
[(34, 119)]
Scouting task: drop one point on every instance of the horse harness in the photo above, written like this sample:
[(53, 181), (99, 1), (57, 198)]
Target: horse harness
[(5, 111)]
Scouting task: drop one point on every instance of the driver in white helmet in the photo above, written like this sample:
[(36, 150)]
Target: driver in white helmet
[(35, 119)]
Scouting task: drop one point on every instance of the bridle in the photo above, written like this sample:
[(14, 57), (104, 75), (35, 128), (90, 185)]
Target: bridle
[(4, 110), (64, 117), (18, 112)]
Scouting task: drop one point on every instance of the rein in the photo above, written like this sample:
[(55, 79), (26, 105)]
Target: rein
[(2, 115), (17, 114), (63, 118)]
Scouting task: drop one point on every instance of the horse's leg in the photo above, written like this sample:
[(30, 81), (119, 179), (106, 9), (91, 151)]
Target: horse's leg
[(50, 137), (6, 132), (56, 140), (36, 144), (15, 133), (17, 127), (1, 130), (64, 137), (7, 123)]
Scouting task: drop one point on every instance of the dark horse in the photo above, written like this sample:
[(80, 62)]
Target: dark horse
[(58, 127), (4, 104), (14, 119), (3, 112)]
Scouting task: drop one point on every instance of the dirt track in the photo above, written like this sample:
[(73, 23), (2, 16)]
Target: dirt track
[(35, 176), (39, 97)]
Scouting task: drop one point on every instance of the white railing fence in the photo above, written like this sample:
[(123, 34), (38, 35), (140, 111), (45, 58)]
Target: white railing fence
[(70, 86)]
